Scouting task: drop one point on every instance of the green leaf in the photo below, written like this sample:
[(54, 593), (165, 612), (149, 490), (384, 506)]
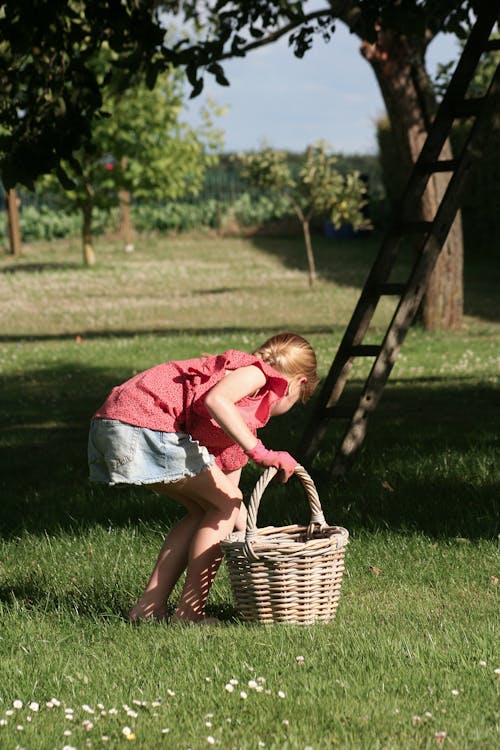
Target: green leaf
[(197, 88), (218, 72)]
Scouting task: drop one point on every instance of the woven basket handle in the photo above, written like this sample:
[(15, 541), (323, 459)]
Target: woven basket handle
[(317, 516)]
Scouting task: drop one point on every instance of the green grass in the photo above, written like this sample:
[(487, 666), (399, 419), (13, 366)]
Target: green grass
[(413, 650)]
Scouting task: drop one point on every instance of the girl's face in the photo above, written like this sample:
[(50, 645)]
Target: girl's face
[(291, 396)]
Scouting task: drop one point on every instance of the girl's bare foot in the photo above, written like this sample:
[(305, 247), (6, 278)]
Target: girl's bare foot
[(147, 608)]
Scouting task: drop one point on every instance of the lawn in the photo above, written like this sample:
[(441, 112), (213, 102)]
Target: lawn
[(411, 660)]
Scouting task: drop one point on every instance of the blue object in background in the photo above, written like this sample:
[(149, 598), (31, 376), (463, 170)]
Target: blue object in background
[(344, 232)]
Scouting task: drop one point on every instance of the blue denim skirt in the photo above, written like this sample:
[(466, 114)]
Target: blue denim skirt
[(121, 453)]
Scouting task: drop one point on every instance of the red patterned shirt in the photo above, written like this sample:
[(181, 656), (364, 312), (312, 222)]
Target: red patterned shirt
[(171, 397)]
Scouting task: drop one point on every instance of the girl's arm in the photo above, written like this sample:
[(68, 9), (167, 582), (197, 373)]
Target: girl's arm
[(221, 402), (221, 405)]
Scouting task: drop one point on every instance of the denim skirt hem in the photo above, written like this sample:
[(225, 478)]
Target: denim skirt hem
[(121, 453)]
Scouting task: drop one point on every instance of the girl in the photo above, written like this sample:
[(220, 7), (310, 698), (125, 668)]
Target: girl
[(186, 429)]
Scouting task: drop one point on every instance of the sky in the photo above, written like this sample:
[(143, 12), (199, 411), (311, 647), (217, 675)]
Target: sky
[(330, 94)]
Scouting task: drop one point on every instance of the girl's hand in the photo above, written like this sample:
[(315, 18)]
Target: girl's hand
[(281, 460)]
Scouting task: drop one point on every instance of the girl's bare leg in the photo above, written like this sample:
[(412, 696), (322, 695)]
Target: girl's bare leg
[(171, 562), (241, 520), (223, 498), (173, 556)]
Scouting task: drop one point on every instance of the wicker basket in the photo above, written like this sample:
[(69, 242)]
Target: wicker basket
[(286, 573)]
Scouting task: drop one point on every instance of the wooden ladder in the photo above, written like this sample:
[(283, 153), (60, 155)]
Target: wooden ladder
[(430, 236)]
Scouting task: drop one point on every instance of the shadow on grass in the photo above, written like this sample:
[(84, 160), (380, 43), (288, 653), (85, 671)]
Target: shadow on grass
[(21, 267), (181, 333), (95, 602), (428, 463), (346, 262)]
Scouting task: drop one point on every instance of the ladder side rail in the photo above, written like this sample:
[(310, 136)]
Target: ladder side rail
[(446, 112), (461, 78), (409, 304), (339, 371)]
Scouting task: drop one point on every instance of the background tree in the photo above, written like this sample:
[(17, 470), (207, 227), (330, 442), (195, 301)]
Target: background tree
[(394, 38), (50, 92), (141, 149), (318, 189)]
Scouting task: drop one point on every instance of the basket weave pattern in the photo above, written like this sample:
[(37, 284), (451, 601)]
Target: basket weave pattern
[(286, 573)]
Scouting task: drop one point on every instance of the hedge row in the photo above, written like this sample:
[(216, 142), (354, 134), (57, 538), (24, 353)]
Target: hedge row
[(44, 223)]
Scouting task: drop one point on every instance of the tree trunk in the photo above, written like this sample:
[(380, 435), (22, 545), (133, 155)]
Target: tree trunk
[(399, 65), (304, 220), (310, 255), (88, 250), (126, 226), (13, 222)]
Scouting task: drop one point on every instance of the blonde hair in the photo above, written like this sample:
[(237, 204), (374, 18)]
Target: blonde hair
[(293, 356)]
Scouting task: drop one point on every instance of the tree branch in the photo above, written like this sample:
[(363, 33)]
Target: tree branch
[(345, 10), (275, 35)]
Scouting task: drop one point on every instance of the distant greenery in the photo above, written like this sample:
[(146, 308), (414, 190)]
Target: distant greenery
[(45, 223), (224, 194)]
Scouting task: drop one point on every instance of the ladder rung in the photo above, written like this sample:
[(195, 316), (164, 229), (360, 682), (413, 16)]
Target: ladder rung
[(442, 165), (365, 350), (492, 45), (415, 227), (390, 289), (468, 107)]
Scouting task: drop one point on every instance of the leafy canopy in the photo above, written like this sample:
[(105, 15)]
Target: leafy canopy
[(143, 147), (51, 90)]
